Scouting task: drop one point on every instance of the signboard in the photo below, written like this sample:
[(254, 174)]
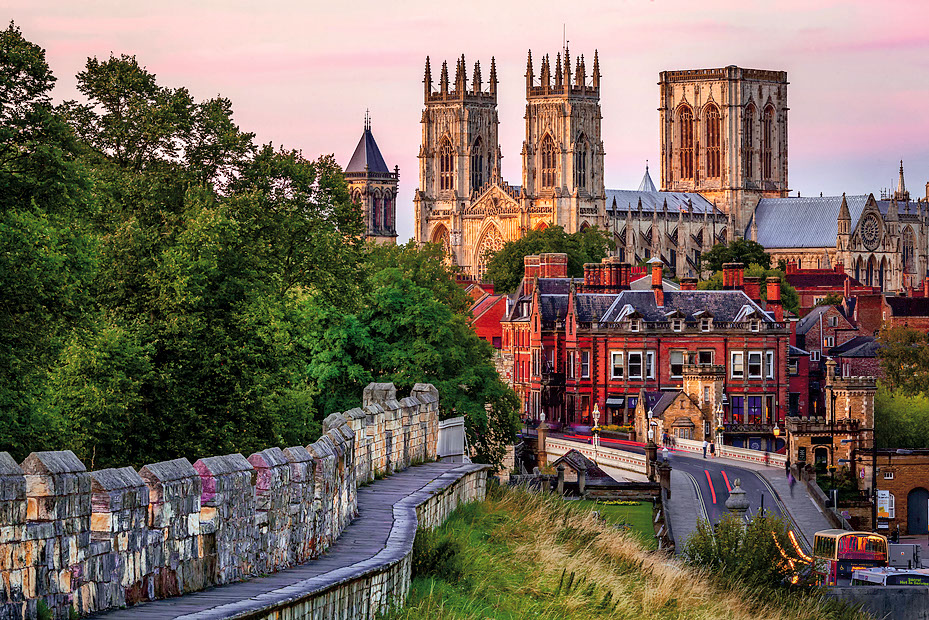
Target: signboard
[(821, 441), (801, 454), (885, 505)]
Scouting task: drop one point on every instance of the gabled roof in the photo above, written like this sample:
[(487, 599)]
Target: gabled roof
[(484, 304), (658, 402), (807, 322), (623, 199), (793, 351), (575, 460), (723, 306), (645, 284), (808, 222), (367, 154), (859, 346)]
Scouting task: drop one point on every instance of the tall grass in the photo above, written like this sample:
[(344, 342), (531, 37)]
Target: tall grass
[(521, 555)]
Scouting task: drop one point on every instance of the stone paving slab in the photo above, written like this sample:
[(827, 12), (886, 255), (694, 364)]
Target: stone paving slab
[(381, 534)]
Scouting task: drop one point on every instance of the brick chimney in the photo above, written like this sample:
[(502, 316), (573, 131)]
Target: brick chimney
[(530, 273), (657, 283), (688, 284), (591, 277), (554, 265), (791, 266), (727, 277), (611, 276), (774, 298), (733, 276), (840, 267), (847, 287), (624, 276), (752, 288), (926, 287)]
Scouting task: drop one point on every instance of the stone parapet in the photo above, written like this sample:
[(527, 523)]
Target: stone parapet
[(90, 541)]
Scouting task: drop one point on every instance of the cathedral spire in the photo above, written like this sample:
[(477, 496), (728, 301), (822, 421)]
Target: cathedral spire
[(461, 77), (443, 79), (596, 73), (558, 76), (493, 76), (901, 186), (545, 73), (567, 66), (476, 81), (427, 79), (844, 214), (529, 73), (580, 73)]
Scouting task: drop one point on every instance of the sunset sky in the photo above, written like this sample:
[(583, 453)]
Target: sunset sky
[(302, 74)]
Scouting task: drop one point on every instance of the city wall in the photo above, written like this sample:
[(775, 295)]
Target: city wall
[(90, 541)]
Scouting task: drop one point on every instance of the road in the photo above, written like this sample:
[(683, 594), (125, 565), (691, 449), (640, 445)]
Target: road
[(713, 478)]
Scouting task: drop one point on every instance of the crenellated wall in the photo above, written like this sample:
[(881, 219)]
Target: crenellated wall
[(115, 537)]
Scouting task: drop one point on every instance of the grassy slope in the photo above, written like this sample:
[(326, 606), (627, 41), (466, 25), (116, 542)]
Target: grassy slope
[(638, 518), (530, 556)]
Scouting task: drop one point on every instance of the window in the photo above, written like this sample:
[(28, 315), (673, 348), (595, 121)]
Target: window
[(388, 213), (888, 475), (754, 409), (712, 142), (377, 212), (754, 365), (769, 364), (737, 408), (755, 325), (585, 364), (793, 367), (687, 143), (580, 163), (705, 358), (650, 364), (769, 413), (767, 144), (749, 137), (814, 356), (535, 362), (677, 364), (833, 321), (631, 403), (829, 341), (572, 360), (547, 158), (496, 342), (793, 400), (616, 361), (634, 325), (704, 325), (677, 324), (736, 364), (477, 164), (706, 394), (446, 166), (635, 365)]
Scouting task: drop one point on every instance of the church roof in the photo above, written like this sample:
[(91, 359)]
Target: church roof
[(367, 154), (622, 199), (795, 222), (647, 185)]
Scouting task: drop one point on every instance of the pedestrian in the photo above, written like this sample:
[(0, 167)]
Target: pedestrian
[(787, 467), (712, 449), (791, 481), (706, 445)]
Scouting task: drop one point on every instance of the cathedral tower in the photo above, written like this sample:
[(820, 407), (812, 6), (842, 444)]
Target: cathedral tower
[(563, 151), (724, 135), (373, 186), (460, 152)]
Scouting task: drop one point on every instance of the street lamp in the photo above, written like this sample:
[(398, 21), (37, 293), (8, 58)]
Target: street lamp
[(595, 414), (651, 433)]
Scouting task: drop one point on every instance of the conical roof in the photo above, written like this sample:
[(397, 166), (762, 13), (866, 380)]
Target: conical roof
[(647, 185), (367, 154)]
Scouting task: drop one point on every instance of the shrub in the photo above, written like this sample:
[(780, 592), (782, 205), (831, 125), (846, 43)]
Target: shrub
[(437, 555)]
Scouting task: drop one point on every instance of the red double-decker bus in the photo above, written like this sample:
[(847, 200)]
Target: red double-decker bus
[(837, 553)]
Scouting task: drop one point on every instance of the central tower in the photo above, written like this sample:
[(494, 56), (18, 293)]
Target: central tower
[(563, 151)]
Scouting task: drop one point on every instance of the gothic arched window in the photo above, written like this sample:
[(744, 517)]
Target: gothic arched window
[(871, 269), (547, 159), (687, 143), (477, 164), (712, 141), (377, 212), (580, 163), (748, 136), (909, 250), (388, 212), (767, 144), (491, 241), (446, 166)]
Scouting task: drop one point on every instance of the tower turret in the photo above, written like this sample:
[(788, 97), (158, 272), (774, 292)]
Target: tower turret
[(493, 77), (595, 82), (476, 82), (443, 79), (427, 81), (373, 187)]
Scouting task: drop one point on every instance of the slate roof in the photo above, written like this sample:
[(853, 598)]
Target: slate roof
[(659, 401), (804, 325), (722, 305), (575, 459), (554, 286), (367, 154), (859, 346), (647, 185), (622, 199), (645, 284), (908, 306), (795, 351), (827, 278), (807, 222)]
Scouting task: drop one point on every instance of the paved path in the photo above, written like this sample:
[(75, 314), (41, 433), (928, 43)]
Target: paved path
[(353, 553)]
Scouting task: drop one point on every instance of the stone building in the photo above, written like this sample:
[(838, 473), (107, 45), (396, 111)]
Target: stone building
[(373, 186)]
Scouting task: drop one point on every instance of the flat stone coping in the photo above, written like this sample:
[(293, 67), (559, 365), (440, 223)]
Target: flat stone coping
[(381, 535)]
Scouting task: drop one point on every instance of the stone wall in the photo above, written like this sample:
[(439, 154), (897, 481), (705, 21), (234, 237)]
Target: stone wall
[(97, 540)]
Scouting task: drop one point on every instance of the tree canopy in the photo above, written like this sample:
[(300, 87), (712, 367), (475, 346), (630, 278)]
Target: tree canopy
[(171, 288), (738, 251), (790, 299), (505, 268)]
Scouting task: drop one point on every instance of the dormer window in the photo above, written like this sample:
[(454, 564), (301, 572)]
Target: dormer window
[(677, 324), (755, 325), (705, 325), (634, 325)]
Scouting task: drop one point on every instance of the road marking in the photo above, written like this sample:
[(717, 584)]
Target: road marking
[(712, 490), (784, 511), (693, 481), (726, 478)]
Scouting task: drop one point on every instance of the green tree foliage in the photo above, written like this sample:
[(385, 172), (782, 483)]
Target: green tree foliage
[(901, 419), (758, 553), (412, 327), (904, 355), (790, 299), (738, 251), (505, 268), (832, 299)]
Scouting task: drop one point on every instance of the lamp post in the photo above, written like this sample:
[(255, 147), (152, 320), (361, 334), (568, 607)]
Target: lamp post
[(595, 414), (719, 424), (776, 433), (832, 441), (651, 432)]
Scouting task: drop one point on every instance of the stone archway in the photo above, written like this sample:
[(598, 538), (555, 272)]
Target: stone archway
[(917, 511)]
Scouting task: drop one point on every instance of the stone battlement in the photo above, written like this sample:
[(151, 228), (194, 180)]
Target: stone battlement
[(115, 537)]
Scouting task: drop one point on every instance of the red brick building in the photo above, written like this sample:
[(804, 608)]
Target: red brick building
[(815, 285), (912, 312), (903, 489), (486, 313), (574, 343)]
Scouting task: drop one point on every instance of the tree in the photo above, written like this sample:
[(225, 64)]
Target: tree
[(506, 268), (901, 419), (904, 355), (790, 299), (738, 251), (832, 299)]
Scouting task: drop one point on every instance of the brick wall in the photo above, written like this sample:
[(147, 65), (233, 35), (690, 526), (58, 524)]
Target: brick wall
[(111, 538)]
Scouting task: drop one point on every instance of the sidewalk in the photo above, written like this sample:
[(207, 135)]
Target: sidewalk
[(684, 508)]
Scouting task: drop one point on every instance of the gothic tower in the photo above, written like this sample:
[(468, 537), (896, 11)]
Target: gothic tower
[(724, 135), (373, 186), (459, 155), (563, 150)]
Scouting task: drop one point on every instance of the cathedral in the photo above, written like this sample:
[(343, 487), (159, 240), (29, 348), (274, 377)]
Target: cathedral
[(723, 175), (373, 187)]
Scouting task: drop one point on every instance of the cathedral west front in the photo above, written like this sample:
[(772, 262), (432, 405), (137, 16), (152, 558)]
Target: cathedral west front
[(723, 175)]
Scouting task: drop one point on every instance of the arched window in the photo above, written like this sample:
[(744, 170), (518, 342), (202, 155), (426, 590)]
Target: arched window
[(712, 141), (880, 274), (388, 212), (376, 216), (767, 144), (440, 235), (491, 241), (748, 137), (687, 143), (547, 159), (858, 269), (909, 250), (870, 274), (446, 166), (477, 164), (580, 163)]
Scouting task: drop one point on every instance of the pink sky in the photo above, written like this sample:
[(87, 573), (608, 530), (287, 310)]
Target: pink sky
[(302, 74)]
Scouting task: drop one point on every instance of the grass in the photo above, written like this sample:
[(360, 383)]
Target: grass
[(519, 555), (637, 518)]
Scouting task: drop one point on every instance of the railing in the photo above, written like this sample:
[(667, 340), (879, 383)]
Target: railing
[(609, 457), (748, 428)]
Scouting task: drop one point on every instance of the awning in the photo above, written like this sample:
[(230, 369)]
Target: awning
[(616, 401)]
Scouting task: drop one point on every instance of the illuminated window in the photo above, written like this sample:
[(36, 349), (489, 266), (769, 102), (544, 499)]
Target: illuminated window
[(687, 143), (446, 166)]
